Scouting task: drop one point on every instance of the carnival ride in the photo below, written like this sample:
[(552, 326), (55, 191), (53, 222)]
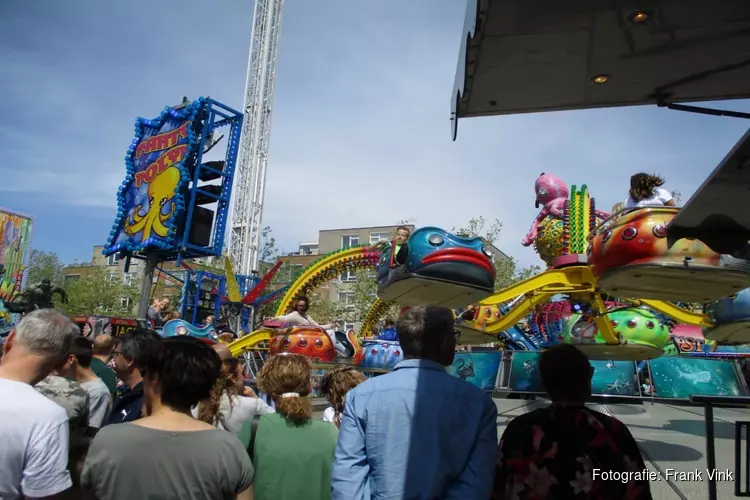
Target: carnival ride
[(616, 57), (590, 254), (441, 269), (315, 342)]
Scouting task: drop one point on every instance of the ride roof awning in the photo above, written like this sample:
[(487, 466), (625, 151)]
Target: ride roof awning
[(526, 56)]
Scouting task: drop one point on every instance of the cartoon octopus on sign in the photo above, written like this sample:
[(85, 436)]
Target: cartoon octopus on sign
[(161, 190), (551, 193)]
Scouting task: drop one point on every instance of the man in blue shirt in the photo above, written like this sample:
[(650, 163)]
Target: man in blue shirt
[(129, 355), (417, 432)]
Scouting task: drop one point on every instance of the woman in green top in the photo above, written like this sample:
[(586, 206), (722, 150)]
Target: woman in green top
[(293, 454)]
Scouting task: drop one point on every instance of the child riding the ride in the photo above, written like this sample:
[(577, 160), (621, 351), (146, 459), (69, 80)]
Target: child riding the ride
[(646, 191), (399, 253)]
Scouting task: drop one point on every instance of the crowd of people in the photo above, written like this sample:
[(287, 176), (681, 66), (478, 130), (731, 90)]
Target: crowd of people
[(187, 427)]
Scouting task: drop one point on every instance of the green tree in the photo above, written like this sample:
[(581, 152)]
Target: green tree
[(98, 293), (325, 310), (508, 272), (45, 265)]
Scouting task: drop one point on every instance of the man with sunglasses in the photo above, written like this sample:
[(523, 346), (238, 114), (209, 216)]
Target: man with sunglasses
[(417, 432), (128, 357)]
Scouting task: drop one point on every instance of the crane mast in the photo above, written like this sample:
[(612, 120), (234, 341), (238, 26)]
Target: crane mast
[(250, 175)]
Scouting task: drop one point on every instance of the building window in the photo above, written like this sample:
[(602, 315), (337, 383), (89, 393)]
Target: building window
[(347, 299), (114, 277), (70, 278), (113, 259), (376, 237), (125, 302), (349, 241), (349, 276), (127, 279)]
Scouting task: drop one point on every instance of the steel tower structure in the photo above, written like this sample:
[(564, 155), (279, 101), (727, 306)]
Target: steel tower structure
[(250, 176)]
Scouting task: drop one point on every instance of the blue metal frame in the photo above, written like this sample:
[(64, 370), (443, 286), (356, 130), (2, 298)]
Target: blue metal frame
[(177, 245), (190, 297), (233, 119)]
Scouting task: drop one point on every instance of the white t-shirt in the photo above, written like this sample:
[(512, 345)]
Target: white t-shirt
[(659, 199), (34, 433), (100, 402), (242, 409)]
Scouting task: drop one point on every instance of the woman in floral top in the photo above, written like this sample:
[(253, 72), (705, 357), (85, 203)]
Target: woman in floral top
[(561, 452)]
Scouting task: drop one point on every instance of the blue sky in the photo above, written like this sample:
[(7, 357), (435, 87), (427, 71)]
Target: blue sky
[(360, 125)]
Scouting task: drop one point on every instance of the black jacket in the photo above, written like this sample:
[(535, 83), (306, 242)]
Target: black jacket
[(127, 407)]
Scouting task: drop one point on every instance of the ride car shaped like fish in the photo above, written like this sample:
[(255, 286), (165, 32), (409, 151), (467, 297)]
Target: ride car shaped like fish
[(440, 269)]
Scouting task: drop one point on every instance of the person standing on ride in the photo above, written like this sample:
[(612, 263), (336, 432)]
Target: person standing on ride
[(417, 432), (168, 454), (646, 191), (292, 453), (128, 356), (228, 408), (556, 452)]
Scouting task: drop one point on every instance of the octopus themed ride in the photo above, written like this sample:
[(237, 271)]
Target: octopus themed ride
[(624, 255)]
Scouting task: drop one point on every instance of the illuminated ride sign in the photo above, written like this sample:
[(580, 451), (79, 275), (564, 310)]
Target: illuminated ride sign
[(151, 199)]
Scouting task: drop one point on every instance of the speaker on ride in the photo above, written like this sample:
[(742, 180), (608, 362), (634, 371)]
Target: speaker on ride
[(200, 227)]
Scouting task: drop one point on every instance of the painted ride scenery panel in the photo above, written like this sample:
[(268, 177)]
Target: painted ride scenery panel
[(477, 368), (524, 373), (680, 377), (150, 199), (15, 243), (611, 378)]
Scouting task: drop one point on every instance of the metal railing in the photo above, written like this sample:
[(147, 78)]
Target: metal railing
[(709, 403)]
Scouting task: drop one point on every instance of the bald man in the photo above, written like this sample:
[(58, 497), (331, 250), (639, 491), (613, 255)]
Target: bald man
[(103, 345)]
